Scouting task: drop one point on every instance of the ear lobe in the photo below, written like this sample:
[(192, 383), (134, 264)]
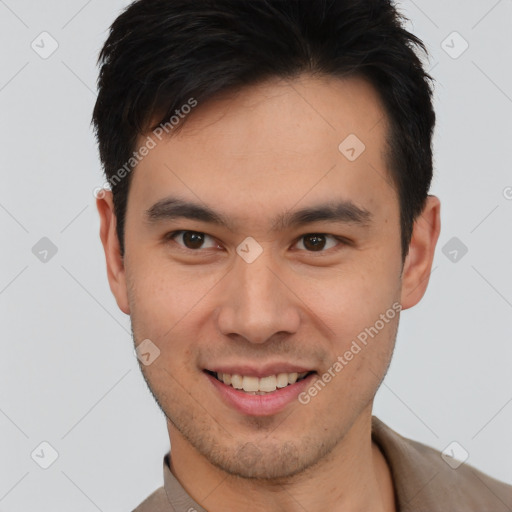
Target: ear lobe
[(418, 263), (115, 264)]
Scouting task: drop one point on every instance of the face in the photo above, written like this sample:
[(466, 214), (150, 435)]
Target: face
[(287, 258)]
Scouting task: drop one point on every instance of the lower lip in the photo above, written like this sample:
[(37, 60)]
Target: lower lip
[(260, 405)]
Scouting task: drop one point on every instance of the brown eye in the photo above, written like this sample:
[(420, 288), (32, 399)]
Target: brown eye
[(193, 240), (190, 239), (316, 242)]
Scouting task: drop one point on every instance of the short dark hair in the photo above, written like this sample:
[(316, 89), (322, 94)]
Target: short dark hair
[(161, 53)]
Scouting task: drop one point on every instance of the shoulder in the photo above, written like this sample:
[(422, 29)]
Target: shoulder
[(155, 502), (463, 487), (171, 497), (424, 479)]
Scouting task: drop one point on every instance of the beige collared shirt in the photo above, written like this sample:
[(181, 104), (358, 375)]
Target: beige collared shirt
[(423, 482)]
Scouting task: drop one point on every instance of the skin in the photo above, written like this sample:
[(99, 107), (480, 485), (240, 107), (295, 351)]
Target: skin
[(251, 155)]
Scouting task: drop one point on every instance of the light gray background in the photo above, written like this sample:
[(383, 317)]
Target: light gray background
[(68, 374)]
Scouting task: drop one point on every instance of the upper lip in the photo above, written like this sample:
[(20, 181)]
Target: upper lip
[(261, 371)]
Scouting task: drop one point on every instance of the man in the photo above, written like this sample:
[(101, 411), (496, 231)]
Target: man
[(269, 219)]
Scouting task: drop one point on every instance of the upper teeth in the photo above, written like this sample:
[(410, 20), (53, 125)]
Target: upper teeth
[(265, 384)]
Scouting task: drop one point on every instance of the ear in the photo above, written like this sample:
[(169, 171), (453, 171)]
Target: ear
[(418, 263), (115, 264)]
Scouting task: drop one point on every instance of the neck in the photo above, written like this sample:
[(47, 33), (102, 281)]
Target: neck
[(354, 476)]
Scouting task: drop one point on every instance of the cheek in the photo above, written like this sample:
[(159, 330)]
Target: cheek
[(352, 297), (164, 297), (154, 297)]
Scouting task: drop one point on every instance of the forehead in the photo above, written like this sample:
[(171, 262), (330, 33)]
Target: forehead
[(275, 144)]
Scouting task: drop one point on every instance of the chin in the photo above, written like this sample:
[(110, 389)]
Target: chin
[(265, 459)]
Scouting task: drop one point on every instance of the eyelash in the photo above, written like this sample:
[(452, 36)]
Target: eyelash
[(173, 234)]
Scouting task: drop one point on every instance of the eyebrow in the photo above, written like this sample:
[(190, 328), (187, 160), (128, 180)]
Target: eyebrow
[(340, 211)]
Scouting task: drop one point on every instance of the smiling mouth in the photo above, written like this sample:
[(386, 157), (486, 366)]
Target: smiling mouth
[(259, 386)]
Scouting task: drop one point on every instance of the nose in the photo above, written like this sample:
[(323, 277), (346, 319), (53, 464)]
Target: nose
[(256, 303)]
